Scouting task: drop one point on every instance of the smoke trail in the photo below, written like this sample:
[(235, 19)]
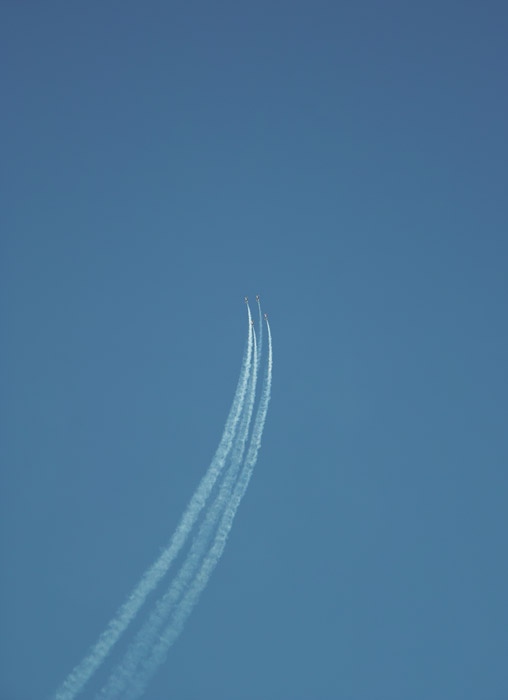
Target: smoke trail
[(81, 674), (186, 605), (125, 672), (260, 343)]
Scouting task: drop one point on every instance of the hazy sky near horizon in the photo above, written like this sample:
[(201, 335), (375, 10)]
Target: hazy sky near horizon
[(347, 162)]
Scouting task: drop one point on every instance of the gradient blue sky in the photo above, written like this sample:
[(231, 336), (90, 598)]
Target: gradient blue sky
[(347, 161)]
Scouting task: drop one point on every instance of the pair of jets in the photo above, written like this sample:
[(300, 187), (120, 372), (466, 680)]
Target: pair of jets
[(257, 299)]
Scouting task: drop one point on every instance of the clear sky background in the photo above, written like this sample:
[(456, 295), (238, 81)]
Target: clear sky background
[(347, 161)]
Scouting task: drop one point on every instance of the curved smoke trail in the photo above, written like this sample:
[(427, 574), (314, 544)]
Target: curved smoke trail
[(188, 602), (124, 675), (81, 674)]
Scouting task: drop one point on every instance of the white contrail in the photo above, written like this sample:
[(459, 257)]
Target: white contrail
[(81, 674), (124, 675), (187, 603)]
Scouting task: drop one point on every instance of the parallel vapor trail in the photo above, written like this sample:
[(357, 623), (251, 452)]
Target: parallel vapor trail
[(81, 674), (186, 605), (260, 343), (124, 675)]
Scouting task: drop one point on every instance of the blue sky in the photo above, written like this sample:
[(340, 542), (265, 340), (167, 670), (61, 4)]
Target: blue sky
[(348, 162)]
